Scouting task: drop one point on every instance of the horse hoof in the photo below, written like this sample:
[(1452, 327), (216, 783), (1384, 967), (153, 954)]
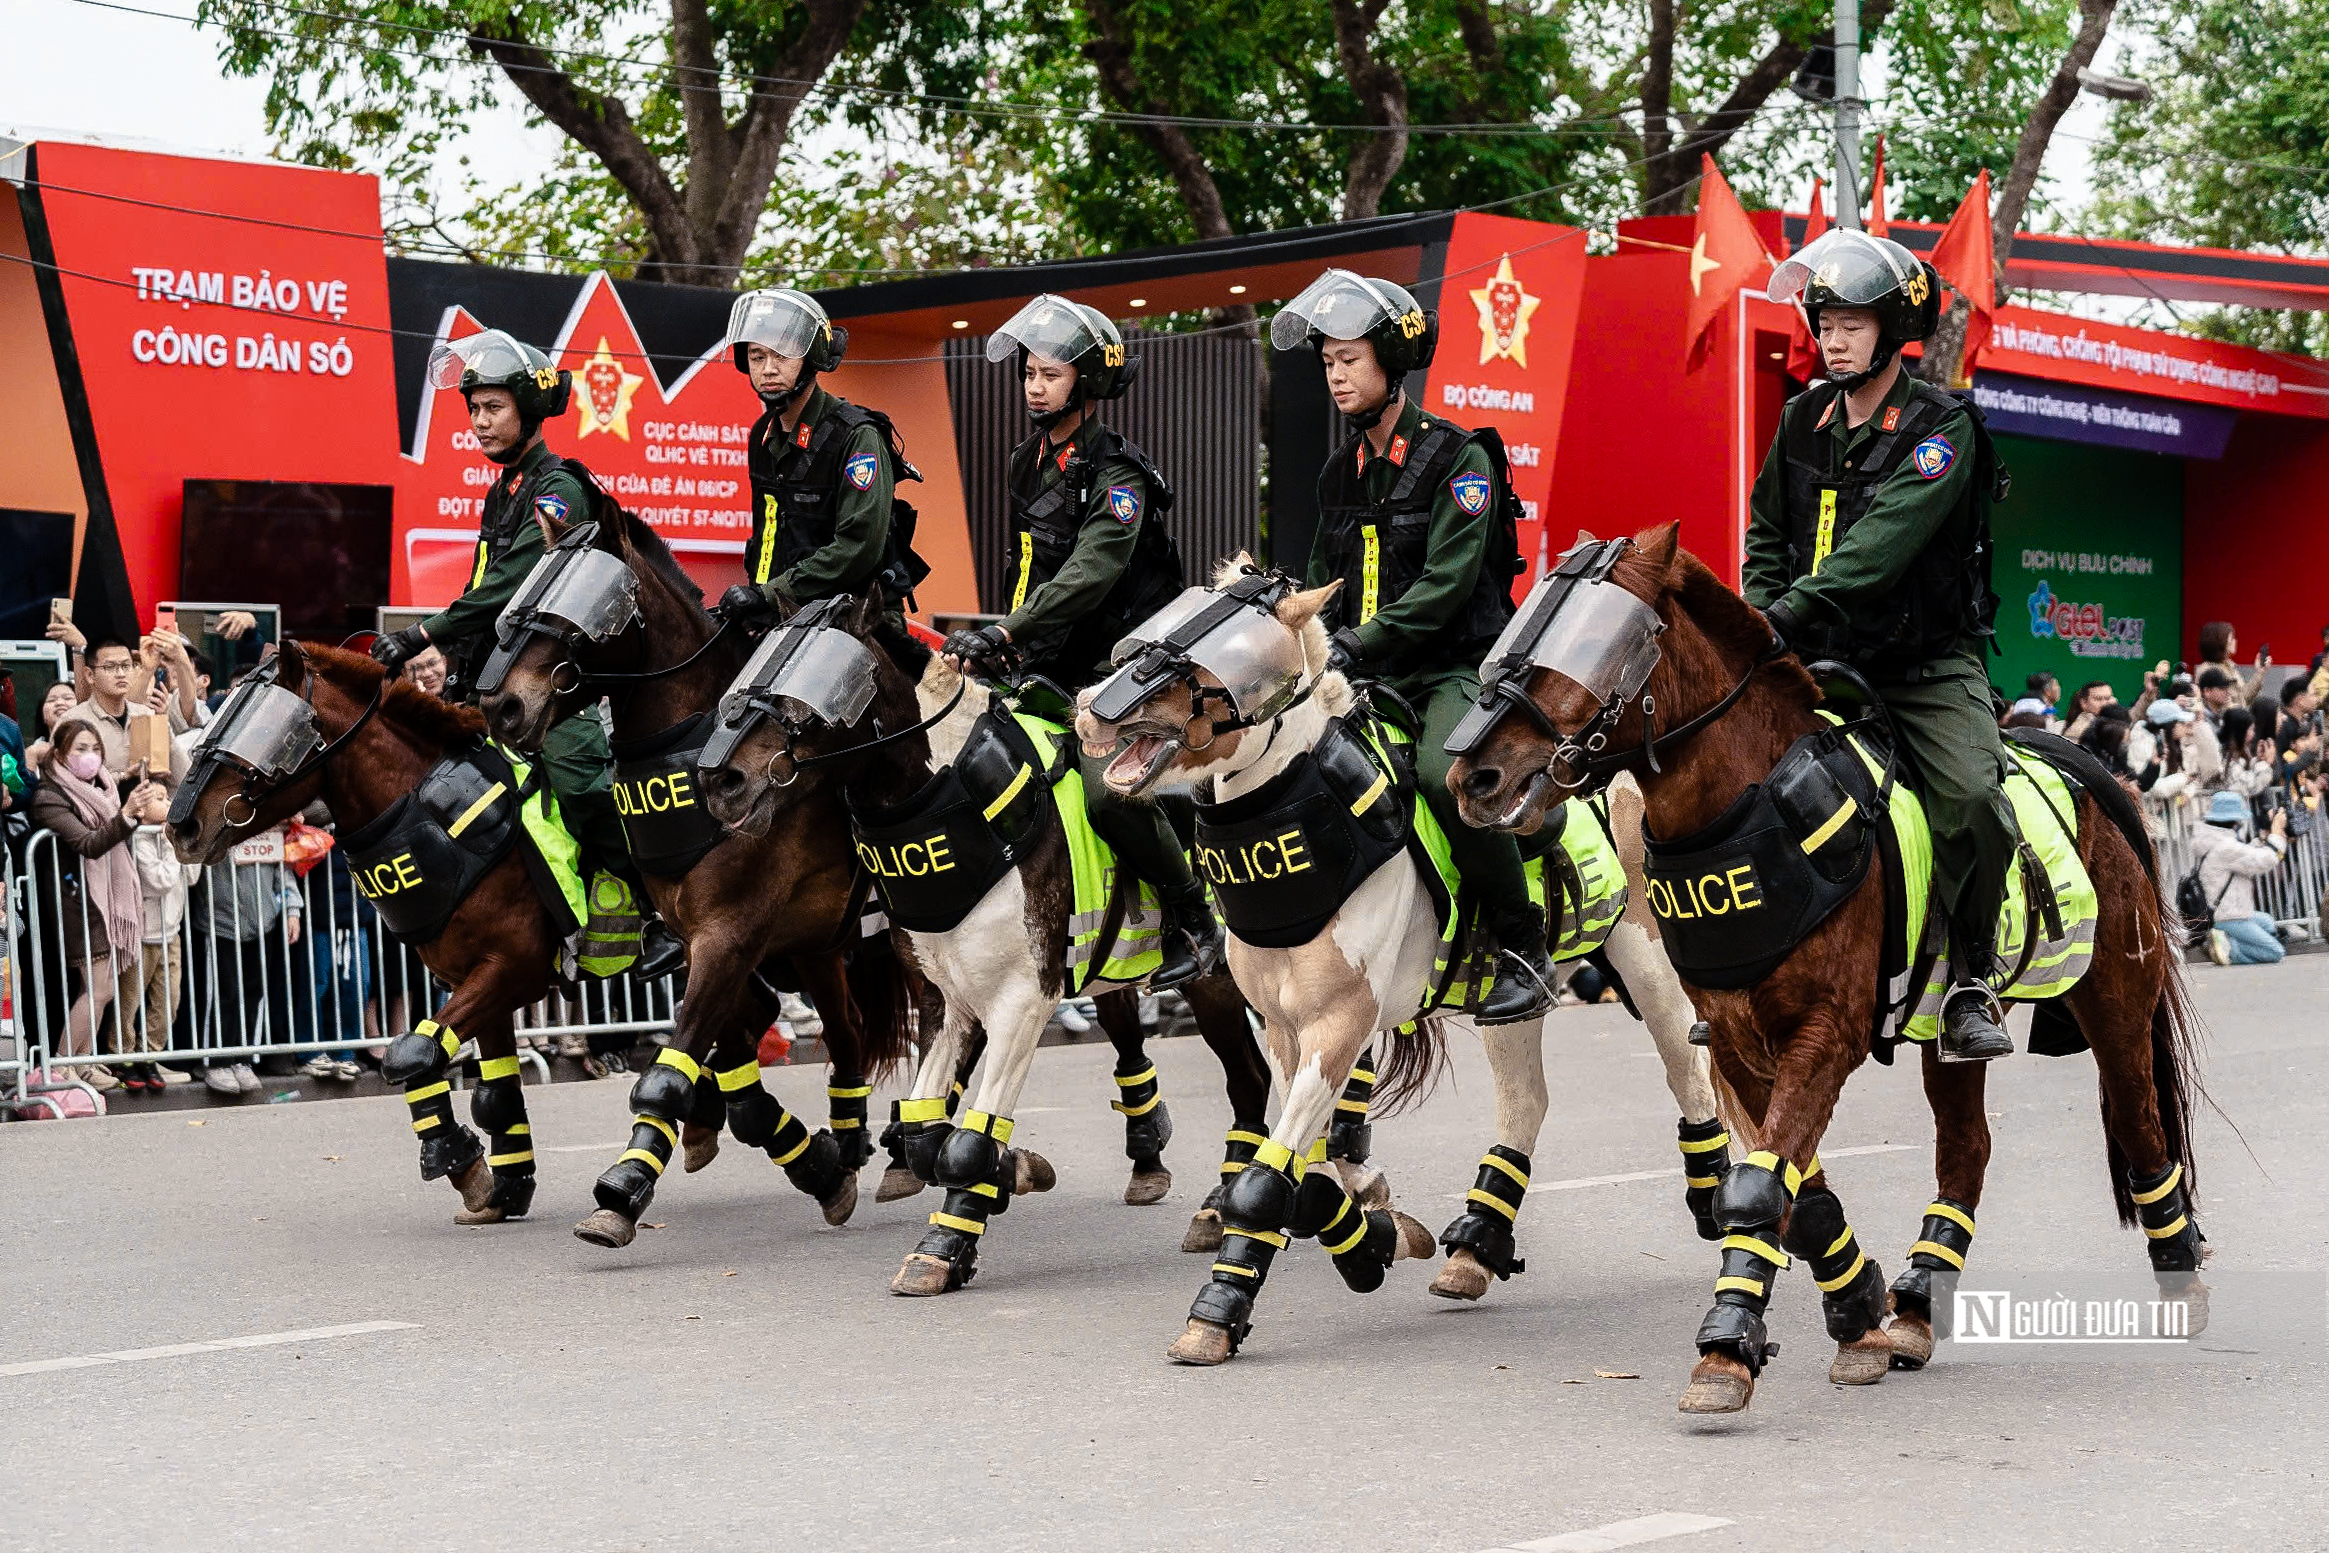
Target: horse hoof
[(1912, 1342), (1204, 1343), (922, 1276), (1718, 1384), (1414, 1240), (897, 1182), (607, 1228), (838, 1207), (1031, 1172), (2194, 1295), (475, 1186), (1368, 1185), (698, 1146), (1204, 1231), (479, 1216), (1148, 1186), (1862, 1361), (1463, 1278)]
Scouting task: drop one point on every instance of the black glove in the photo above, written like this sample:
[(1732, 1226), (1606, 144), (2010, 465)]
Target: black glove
[(744, 604), (986, 645), (398, 648), (1345, 653), (1784, 625)]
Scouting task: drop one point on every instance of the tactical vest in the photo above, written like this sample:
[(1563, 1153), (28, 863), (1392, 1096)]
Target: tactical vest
[(793, 507), (1379, 549), (422, 856), (1045, 522), (1284, 858), (1945, 595), (935, 855), (659, 797), (505, 513)]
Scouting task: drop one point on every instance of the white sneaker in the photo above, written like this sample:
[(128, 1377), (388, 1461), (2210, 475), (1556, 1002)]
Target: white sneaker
[(2219, 946), (347, 1072), (1071, 1017), (173, 1077), (247, 1078), (319, 1066)]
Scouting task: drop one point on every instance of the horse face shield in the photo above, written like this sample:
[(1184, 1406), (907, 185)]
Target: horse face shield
[(1234, 635), (575, 593), (263, 730), (804, 673)]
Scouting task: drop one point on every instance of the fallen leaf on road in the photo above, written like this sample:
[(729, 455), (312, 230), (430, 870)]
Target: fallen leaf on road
[(730, 1273), (1504, 1366), (691, 1318), (650, 1226), (331, 1159), (1572, 1383), (198, 1124), (1653, 1256), (1617, 1375)]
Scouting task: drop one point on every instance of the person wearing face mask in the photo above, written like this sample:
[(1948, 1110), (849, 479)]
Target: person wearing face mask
[(1089, 559), (1416, 518), (826, 518), (1868, 541), (511, 390)]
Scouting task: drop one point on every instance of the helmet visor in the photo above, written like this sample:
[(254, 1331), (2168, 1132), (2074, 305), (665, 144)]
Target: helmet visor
[(1338, 305), (493, 356), (1051, 327), (1846, 269), (786, 322)]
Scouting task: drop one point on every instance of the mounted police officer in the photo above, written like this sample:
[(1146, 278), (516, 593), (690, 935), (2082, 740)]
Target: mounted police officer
[(1416, 519), (511, 389), (1869, 542), (825, 513), (1089, 560)]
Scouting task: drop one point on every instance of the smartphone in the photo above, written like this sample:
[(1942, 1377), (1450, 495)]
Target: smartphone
[(61, 611), (165, 619)]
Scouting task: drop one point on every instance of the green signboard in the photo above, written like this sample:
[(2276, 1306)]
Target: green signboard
[(2089, 569)]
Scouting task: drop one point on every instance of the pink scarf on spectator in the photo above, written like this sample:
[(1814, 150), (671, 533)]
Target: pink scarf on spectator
[(109, 881)]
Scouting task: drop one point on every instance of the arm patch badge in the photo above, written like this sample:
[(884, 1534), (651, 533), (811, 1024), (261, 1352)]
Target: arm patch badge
[(1933, 456), (1470, 490), (859, 469), (1124, 502), (551, 506)]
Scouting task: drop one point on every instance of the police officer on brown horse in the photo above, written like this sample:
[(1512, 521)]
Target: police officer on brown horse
[(1089, 560)]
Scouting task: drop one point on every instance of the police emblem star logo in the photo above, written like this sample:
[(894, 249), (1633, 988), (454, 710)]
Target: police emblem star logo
[(1470, 490), (860, 469)]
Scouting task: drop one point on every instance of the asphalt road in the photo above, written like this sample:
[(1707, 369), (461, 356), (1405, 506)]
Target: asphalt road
[(740, 1376)]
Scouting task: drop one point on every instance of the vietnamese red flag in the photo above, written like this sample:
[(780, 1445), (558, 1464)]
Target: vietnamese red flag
[(1877, 225), (1725, 256), (1804, 362), (1966, 256)]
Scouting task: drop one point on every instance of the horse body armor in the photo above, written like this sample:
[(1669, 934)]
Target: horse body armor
[(660, 802), (419, 860)]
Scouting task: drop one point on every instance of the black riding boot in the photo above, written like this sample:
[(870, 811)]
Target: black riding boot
[(660, 951), (1193, 939), (1524, 971), (1973, 1025)]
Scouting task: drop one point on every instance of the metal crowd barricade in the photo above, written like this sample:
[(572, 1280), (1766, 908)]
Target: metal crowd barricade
[(233, 980), (2291, 894)]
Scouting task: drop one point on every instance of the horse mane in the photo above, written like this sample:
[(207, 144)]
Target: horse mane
[(411, 708), (1735, 627), (658, 556)]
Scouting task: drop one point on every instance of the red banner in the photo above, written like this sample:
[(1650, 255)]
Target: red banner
[(2146, 361), (675, 457), (1507, 324)]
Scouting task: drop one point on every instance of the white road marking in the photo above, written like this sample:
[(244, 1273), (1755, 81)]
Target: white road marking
[(580, 1148), (1619, 1534), (87, 1361), (1675, 1174)]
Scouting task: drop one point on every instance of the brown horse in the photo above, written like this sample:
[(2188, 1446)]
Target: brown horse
[(497, 951), (745, 907), (1722, 708)]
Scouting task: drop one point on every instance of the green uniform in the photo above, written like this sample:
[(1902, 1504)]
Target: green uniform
[(575, 759), (1075, 591), (820, 504), (1845, 587), (1424, 623)]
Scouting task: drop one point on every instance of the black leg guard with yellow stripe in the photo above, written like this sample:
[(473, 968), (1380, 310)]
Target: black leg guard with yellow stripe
[(447, 1147), (1749, 1204), (498, 1106), (1148, 1126), (1361, 1241), (845, 1098), (1350, 1135), (1491, 1210), (1852, 1294), (1256, 1206), (709, 1106), (1236, 1154), (1706, 1159), (2165, 1212), (423, 1053), (976, 1173), (917, 1131), (660, 1101), (757, 1119), (1942, 1247)]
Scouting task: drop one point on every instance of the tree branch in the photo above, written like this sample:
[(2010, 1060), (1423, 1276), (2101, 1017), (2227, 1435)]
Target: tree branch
[(1200, 195), (695, 76), (1658, 103), (1478, 30), (1382, 94), (768, 125)]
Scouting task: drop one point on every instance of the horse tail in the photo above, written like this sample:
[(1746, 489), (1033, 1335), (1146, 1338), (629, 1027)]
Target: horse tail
[(1414, 1057), (880, 986)]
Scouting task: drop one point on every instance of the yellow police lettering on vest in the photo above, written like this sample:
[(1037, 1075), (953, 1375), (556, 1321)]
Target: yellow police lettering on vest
[(1272, 857), (1708, 895), (397, 873), (910, 859), (654, 795)]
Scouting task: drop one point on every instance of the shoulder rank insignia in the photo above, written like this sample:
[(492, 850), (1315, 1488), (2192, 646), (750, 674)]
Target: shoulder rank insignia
[(1933, 456), (860, 469), (1892, 419), (801, 437), (1470, 491), (1397, 451), (1124, 502), (1826, 415)]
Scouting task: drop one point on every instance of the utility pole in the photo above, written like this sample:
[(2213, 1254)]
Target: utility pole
[(1848, 106)]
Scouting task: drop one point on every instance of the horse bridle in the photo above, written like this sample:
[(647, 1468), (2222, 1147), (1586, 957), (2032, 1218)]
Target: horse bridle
[(1157, 665), (255, 787)]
